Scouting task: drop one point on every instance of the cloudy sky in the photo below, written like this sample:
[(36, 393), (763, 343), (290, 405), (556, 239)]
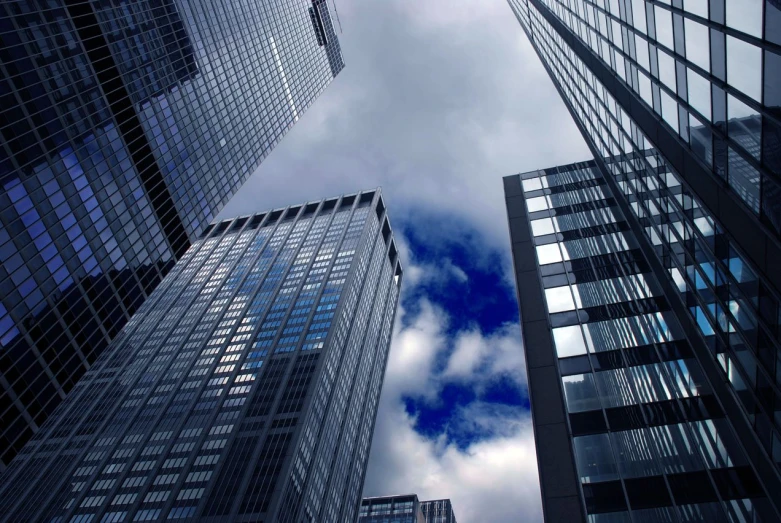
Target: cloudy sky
[(438, 100)]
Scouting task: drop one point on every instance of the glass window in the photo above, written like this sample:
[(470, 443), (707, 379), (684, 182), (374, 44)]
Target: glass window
[(667, 70), (594, 458), (697, 7), (744, 179), (634, 453), (699, 93), (559, 299), (744, 67), (615, 388), (670, 110), (569, 341), (746, 16), (645, 88), (538, 204), (548, 253), (641, 47), (697, 43), (638, 15), (743, 125), (580, 392), (664, 26), (542, 227), (532, 184)]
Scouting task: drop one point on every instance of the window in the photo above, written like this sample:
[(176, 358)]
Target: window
[(580, 392), (569, 341)]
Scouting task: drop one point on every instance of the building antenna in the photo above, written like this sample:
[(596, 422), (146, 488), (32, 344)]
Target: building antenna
[(333, 2)]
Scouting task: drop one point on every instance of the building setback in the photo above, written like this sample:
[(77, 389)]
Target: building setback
[(637, 402), (124, 128), (244, 389), (438, 511)]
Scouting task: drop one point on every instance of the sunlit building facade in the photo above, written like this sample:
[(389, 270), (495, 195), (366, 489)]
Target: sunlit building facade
[(124, 128), (244, 389), (638, 401)]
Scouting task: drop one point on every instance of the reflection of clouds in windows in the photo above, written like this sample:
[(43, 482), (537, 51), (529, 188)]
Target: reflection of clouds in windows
[(744, 67), (745, 16), (559, 299), (580, 392), (548, 253), (569, 341)]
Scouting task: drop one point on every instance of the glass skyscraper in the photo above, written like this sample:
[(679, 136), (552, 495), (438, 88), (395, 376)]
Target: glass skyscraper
[(438, 511), (125, 125), (639, 322), (244, 389), (391, 509)]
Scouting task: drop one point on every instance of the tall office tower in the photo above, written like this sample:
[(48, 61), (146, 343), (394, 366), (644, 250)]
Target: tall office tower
[(680, 105), (125, 125), (399, 509), (438, 511), (639, 317), (244, 389)]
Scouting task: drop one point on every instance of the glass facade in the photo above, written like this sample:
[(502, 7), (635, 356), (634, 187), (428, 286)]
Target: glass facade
[(124, 128), (635, 403), (708, 72), (244, 389), (438, 511), (391, 509)]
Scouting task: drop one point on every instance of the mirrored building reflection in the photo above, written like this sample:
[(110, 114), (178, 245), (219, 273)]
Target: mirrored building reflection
[(125, 126), (245, 388), (636, 339)]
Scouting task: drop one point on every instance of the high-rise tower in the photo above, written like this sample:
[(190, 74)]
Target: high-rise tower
[(635, 336), (244, 389), (679, 102), (125, 125)]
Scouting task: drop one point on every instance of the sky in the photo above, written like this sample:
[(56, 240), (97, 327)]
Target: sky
[(438, 101)]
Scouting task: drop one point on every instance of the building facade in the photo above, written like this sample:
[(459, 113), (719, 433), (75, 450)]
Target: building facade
[(438, 511), (635, 350), (244, 389), (404, 508), (125, 125)]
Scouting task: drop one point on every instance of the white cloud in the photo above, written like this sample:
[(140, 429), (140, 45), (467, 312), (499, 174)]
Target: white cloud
[(492, 480), (478, 358)]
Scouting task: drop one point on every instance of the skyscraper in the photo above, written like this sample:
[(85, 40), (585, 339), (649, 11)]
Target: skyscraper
[(635, 319), (125, 126), (244, 389), (398, 509), (438, 511)]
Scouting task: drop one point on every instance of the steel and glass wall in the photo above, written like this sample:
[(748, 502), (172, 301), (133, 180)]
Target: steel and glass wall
[(124, 128), (391, 509), (633, 418), (438, 511), (680, 106), (245, 388), (695, 81)]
